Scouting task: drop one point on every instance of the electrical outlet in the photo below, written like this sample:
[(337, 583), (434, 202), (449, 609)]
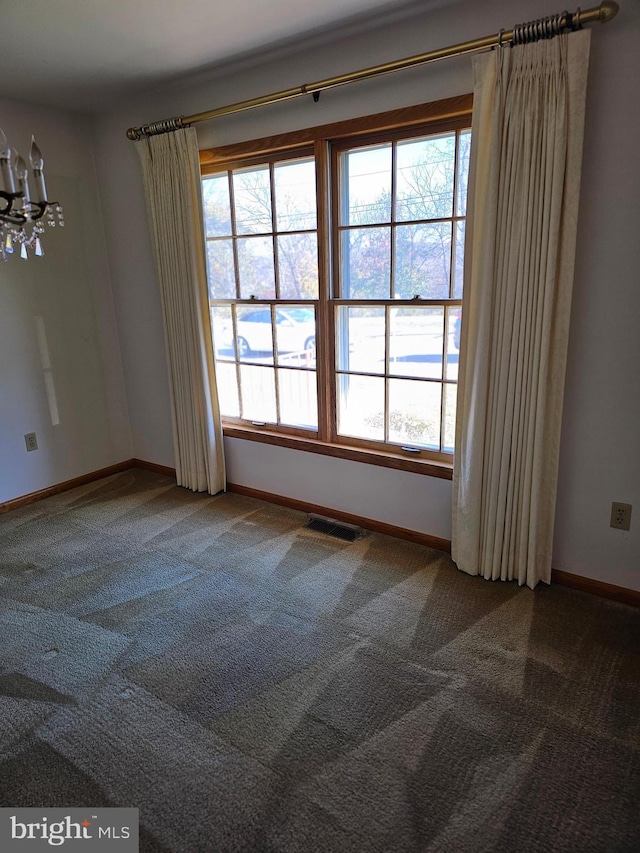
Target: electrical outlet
[(31, 441), (621, 516)]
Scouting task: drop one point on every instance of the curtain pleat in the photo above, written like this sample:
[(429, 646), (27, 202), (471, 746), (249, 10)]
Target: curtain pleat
[(171, 171), (524, 186)]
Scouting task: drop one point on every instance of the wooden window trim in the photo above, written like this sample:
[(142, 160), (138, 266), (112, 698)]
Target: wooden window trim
[(435, 113), (443, 470), (450, 114)]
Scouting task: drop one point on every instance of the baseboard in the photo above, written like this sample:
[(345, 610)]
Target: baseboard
[(595, 587), (349, 518), (604, 590), (32, 497), (153, 466)]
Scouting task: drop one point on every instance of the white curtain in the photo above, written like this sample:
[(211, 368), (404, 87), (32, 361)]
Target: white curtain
[(171, 170), (524, 185)]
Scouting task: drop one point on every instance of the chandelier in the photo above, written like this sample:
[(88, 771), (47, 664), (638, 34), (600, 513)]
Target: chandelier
[(21, 217)]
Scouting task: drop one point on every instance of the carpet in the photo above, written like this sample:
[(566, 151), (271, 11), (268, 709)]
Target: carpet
[(252, 685)]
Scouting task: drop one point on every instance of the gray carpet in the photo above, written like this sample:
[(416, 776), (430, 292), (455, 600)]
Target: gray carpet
[(253, 686)]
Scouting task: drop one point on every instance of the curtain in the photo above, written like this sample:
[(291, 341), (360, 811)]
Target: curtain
[(524, 186), (171, 171)]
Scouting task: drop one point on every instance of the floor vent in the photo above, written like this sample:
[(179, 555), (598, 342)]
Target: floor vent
[(334, 528)]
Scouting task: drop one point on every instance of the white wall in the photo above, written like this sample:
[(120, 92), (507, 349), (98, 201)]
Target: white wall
[(600, 461), (396, 497), (73, 396)]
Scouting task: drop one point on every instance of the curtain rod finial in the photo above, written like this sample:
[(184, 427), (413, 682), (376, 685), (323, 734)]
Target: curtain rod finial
[(608, 10), (133, 134)]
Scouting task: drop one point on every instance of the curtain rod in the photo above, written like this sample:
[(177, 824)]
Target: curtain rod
[(520, 34)]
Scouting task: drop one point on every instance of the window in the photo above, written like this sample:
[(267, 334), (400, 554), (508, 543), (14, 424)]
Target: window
[(262, 255), (335, 281)]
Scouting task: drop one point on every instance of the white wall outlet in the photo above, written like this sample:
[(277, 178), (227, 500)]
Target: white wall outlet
[(31, 441), (621, 516)]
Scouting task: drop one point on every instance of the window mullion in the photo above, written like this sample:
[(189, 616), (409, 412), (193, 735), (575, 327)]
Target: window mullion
[(325, 351), (392, 291), (234, 235), (274, 228), (445, 367), (387, 369), (234, 325), (274, 339), (392, 241), (452, 261)]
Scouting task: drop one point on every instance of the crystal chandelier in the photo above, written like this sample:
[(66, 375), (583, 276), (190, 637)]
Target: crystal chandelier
[(21, 217)]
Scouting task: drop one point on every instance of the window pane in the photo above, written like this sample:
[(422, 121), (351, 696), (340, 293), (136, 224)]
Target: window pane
[(258, 393), (217, 210), (227, 383), (255, 264), (416, 341), (298, 266), (255, 337), (220, 269), (360, 339), (366, 263), (360, 403), (252, 198), (423, 261), (449, 437), (366, 189), (464, 151), (298, 398), (295, 185), (222, 327), (296, 335), (425, 169), (454, 320), (414, 413)]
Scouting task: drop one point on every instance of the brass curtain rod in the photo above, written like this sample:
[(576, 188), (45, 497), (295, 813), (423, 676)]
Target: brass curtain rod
[(520, 34)]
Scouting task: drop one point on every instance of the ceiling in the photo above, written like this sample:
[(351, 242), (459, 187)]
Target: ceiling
[(84, 54)]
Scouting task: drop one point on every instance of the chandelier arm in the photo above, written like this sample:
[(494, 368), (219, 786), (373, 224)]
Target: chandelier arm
[(38, 209), (41, 209), (9, 215), (9, 198), (14, 218)]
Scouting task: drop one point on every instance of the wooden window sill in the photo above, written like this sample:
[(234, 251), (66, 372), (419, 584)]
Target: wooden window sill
[(428, 467)]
